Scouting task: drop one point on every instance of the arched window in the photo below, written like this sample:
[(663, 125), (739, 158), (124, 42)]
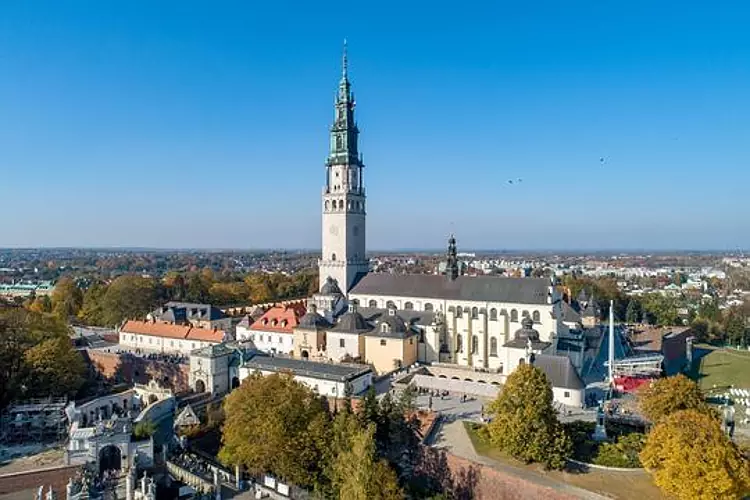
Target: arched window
[(341, 204), (459, 343), (521, 361), (328, 204), (459, 312), (474, 344), (385, 328), (474, 313), (535, 316), (493, 314), (333, 256), (355, 302), (428, 306), (493, 347), (390, 305), (373, 303), (514, 315), (451, 309), (408, 306), (339, 142), (525, 314)]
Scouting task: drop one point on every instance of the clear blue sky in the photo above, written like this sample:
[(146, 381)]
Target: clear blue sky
[(204, 124)]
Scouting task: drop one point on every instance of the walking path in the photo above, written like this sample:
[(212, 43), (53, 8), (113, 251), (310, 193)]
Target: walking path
[(452, 437)]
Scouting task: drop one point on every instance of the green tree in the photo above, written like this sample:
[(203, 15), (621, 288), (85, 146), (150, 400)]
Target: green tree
[(67, 298), (691, 458), (42, 304), (144, 429), (359, 475), (735, 328), (275, 424), (623, 453), (633, 312), (92, 312), (524, 423), (128, 297), (665, 396)]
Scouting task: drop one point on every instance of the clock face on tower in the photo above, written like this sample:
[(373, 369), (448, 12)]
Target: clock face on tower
[(334, 230)]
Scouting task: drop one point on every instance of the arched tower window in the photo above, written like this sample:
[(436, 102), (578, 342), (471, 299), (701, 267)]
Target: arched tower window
[(514, 315), (493, 347), (428, 306), (328, 205), (493, 314), (333, 256), (339, 142), (373, 303), (459, 312), (459, 343), (535, 316), (474, 313), (474, 344)]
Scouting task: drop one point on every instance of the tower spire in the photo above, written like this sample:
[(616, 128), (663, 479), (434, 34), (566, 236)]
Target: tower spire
[(344, 63)]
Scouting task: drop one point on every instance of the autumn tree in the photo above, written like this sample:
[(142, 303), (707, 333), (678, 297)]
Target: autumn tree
[(358, 474), (665, 396), (36, 357), (67, 298), (92, 312), (128, 297), (524, 423), (275, 424), (691, 458)]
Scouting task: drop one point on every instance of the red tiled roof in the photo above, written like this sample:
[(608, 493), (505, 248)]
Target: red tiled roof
[(167, 330), (282, 319), (206, 335)]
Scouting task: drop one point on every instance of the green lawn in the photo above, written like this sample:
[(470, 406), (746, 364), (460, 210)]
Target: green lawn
[(635, 485), (722, 368)]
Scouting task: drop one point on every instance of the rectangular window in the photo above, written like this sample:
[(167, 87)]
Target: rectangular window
[(566, 394), (342, 343), (382, 341)]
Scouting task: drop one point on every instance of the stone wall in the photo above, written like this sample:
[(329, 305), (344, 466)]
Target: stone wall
[(123, 367), (30, 481), (469, 480)]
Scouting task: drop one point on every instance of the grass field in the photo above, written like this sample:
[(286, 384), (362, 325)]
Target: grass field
[(633, 485), (723, 367)]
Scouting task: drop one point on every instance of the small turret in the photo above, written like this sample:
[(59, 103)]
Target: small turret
[(451, 269)]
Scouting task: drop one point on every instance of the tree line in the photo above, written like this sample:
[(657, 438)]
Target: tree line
[(709, 322), (132, 296)]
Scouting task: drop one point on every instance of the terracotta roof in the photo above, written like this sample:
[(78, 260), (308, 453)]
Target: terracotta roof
[(206, 335), (157, 329), (282, 319)]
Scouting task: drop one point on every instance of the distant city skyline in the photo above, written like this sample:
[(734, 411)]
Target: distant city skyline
[(184, 125)]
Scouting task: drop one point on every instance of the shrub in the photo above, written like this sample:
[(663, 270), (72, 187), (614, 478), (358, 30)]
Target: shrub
[(623, 453)]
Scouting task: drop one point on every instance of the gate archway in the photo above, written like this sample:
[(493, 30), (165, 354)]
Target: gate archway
[(110, 458)]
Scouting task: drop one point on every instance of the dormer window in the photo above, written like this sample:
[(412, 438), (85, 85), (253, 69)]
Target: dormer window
[(385, 328), (265, 321), (283, 323), (274, 322)]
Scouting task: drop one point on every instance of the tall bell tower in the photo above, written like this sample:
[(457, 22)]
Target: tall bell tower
[(343, 256)]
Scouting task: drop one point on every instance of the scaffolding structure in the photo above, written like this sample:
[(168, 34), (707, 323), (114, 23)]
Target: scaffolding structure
[(34, 421)]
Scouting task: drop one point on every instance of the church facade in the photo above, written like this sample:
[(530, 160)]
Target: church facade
[(470, 321)]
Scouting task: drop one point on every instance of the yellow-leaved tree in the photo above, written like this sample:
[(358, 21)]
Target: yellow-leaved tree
[(691, 458), (358, 474), (667, 395)]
